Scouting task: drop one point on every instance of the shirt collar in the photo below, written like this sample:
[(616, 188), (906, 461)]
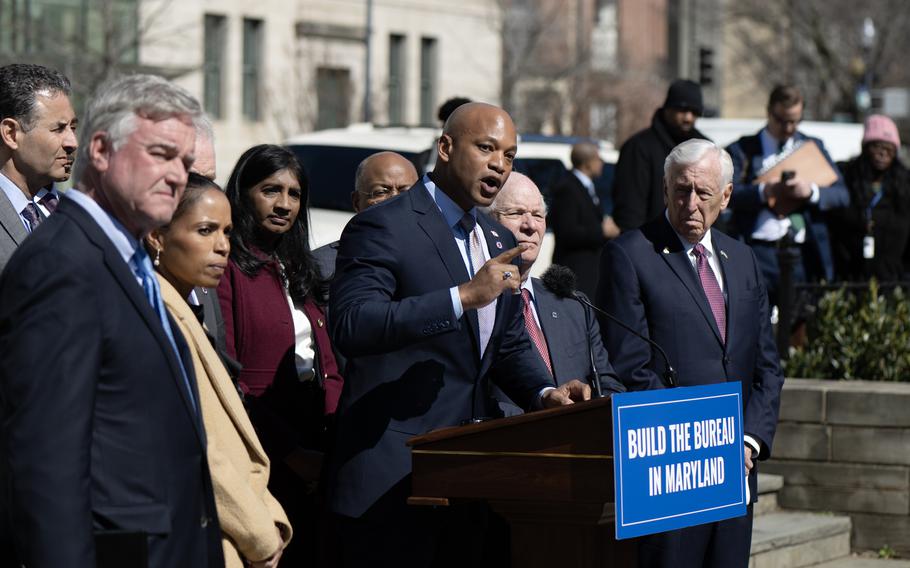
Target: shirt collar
[(584, 179), (687, 246), (44, 191), (529, 286), (771, 146), (14, 194), (125, 243), (450, 210)]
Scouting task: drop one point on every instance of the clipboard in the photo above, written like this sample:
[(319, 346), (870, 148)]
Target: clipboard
[(807, 161)]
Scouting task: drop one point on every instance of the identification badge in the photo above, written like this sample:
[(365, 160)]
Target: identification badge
[(868, 247)]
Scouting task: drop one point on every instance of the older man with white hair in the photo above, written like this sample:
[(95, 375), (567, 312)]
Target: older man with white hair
[(699, 294), (100, 426), (564, 332)]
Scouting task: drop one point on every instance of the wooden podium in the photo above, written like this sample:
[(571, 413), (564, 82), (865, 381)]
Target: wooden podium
[(549, 473)]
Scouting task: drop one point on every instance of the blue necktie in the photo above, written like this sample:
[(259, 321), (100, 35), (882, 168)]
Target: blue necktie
[(142, 267)]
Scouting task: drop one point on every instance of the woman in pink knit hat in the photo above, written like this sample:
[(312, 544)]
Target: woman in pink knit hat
[(870, 237)]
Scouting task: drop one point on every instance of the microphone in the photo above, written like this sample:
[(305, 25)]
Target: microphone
[(561, 281)]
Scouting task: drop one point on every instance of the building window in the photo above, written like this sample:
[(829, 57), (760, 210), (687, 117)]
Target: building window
[(92, 32), (427, 81), (396, 78), (213, 63), (252, 68), (333, 92)]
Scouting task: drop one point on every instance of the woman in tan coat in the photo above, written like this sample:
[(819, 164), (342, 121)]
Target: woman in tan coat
[(192, 251)]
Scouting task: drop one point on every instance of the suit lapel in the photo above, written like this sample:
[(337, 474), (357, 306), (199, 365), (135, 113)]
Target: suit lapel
[(671, 250), (124, 276), (216, 374), (434, 225), (11, 221), (554, 324), (730, 287)]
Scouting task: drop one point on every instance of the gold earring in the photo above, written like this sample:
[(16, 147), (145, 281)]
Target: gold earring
[(157, 257)]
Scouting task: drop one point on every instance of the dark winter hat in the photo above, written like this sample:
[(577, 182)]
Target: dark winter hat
[(684, 94)]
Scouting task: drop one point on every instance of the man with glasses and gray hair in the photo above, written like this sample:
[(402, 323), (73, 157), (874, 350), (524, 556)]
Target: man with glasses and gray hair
[(100, 428), (758, 212), (379, 177)]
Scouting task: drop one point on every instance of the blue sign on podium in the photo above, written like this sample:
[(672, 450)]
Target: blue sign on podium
[(678, 458)]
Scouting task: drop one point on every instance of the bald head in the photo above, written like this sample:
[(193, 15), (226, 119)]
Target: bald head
[(521, 209), (476, 150), (381, 176), (585, 158)]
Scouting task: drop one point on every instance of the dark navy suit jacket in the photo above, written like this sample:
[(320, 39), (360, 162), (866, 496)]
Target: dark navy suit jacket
[(412, 367), (648, 282), (746, 203), (97, 431), (573, 338)]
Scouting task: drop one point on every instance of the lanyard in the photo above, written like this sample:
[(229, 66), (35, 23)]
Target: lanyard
[(875, 199)]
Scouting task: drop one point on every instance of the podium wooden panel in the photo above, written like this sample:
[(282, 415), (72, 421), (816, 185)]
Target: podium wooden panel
[(549, 473)]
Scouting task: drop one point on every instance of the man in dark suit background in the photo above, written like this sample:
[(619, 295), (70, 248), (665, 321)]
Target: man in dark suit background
[(638, 183), (754, 215), (37, 146), (564, 332), (699, 295), (104, 459), (422, 308), (579, 225)]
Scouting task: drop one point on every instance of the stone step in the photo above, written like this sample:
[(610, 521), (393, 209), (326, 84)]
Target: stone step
[(768, 487), (857, 562), (786, 539)]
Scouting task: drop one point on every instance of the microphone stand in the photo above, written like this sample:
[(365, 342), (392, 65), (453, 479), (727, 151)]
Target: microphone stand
[(669, 376)]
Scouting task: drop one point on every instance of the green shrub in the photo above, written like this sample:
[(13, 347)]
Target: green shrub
[(856, 335)]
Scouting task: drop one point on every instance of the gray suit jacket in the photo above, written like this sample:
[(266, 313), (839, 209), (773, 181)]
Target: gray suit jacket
[(12, 232), (573, 336)]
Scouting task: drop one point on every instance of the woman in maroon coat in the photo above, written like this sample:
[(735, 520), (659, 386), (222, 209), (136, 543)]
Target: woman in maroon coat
[(271, 298)]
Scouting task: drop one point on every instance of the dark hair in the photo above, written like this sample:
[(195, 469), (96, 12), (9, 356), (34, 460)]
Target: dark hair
[(293, 249), (20, 83), (447, 108), (785, 95), (196, 186)]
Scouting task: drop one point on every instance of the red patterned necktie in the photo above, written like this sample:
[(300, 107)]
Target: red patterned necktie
[(534, 331), (712, 289)]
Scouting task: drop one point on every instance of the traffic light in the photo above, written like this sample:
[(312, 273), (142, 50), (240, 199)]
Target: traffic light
[(705, 66)]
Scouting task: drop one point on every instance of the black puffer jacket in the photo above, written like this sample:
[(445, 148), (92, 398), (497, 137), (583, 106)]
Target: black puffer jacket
[(638, 184)]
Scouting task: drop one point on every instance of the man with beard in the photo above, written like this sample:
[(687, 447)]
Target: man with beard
[(638, 185), (37, 145)]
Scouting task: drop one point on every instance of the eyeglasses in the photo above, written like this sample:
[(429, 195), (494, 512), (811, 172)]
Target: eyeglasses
[(382, 193), (784, 121)]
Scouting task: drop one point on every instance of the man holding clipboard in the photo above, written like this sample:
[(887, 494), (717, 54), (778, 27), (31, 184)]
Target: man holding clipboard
[(783, 181)]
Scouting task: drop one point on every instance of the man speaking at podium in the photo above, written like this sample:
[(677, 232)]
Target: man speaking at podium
[(423, 307), (699, 294)]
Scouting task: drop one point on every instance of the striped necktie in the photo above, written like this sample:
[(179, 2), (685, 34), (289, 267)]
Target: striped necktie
[(486, 316)]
